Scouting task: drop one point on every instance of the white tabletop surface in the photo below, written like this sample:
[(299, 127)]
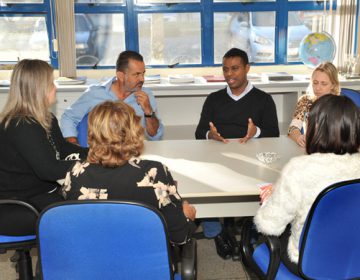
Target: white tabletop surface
[(206, 168)]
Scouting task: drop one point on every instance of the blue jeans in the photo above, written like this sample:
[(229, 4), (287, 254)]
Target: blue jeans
[(211, 227)]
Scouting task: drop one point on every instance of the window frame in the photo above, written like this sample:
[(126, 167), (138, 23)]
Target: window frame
[(206, 8), (30, 10)]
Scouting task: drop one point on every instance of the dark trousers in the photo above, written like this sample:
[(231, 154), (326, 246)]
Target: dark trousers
[(23, 221), (43, 200)]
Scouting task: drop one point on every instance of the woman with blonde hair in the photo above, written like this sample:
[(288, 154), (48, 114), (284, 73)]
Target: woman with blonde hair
[(32, 149), (114, 169), (324, 80)]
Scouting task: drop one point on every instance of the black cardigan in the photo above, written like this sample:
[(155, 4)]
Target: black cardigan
[(28, 164)]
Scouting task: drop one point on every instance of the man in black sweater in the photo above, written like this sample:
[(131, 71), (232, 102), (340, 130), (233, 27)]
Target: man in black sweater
[(238, 111)]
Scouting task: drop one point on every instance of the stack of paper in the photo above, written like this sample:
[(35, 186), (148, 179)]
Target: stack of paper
[(70, 81), (214, 78), (4, 83), (152, 79), (278, 76), (254, 77), (352, 76), (181, 78)]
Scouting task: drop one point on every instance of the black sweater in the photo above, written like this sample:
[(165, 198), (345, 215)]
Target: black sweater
[(28, 164), (230, 117)]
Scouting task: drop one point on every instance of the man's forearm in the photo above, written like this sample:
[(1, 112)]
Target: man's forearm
[(152, 126)]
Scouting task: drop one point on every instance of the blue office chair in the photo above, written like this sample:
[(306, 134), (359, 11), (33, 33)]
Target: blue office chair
[(330, 243), (82, 128), (354, 95), (18, 236), (105, 240)]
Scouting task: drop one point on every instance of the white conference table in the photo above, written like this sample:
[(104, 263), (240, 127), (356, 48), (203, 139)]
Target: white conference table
[(222, 180)]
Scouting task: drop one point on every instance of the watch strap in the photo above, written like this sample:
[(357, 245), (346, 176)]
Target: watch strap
[(150, 115)]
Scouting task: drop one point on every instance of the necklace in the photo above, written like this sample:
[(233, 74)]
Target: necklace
[(52, 143)]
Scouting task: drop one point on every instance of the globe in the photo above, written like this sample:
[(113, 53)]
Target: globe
[(316, 48)]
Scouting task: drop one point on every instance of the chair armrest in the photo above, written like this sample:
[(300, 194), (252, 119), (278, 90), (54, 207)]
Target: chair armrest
[(273, 244), (17, 210), (246, 247), (189, 260), (249, 237)]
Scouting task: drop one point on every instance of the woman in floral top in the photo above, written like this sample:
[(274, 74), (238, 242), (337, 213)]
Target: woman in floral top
[(113, 169), (324, 80)]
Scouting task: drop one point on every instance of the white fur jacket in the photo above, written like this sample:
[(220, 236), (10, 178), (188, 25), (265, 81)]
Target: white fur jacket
[(301, 180)]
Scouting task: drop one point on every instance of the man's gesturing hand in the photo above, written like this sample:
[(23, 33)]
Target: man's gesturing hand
[(251, 131), (215, 135)]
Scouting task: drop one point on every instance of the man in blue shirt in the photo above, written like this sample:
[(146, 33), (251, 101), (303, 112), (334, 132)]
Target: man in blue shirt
[(126, 86)]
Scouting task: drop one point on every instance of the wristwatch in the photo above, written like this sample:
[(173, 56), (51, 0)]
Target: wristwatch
[(152, 115)]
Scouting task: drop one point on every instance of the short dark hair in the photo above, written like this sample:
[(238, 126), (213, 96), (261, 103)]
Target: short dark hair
[(122, 62), (235, 52), (333, 126)]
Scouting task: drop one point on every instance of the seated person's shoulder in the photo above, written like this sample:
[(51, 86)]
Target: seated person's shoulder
[(98, 86), (217, 94), (93, 88), (146, 164), (306, 98), (305, 101), (260, 94)]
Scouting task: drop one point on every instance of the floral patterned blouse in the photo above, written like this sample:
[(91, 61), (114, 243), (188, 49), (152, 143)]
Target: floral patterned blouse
[(138, 180), (302, 109)]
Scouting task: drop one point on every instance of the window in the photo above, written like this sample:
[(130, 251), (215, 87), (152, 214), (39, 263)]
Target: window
[(99, 38), (166, 32), (199, 32), (24, 35), (253, 32), (170, 38)]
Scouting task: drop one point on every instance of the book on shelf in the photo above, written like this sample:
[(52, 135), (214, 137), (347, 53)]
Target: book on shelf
[(4, 83), (153, 79), (71, 81), (352, 76), (214, 78), (254, 77), (181, 78), (278, 76)]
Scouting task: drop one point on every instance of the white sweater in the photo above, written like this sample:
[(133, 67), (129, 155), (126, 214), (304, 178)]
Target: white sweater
[(301, 180)]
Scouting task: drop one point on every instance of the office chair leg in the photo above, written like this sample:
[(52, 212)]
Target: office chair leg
[(24, 265)]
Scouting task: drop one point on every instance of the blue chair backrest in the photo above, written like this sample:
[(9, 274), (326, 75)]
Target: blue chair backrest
[(354, 95), (103, 240), (82, 128), (330, 247)]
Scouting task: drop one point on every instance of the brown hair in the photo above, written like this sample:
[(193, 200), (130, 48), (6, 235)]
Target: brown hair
[(330, 70), (31, 82), (114, 134), (333, 126), (122, 63)]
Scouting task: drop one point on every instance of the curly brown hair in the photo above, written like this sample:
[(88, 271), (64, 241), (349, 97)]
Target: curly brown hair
[(114, 134)]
